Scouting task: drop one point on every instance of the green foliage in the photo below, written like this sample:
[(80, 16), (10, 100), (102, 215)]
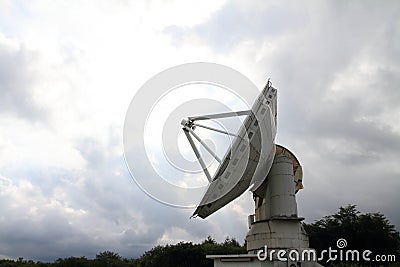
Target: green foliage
[(73, 262), (370, 231), (209, 240), (188, 254), (181, 254), (109, 259)]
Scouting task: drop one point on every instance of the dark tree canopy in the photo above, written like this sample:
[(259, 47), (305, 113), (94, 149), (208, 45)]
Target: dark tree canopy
[(188, 254), (369, 231), (181, 254)]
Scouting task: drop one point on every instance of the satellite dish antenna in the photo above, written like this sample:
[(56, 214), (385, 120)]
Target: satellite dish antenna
[(253, 161), (249, 158)]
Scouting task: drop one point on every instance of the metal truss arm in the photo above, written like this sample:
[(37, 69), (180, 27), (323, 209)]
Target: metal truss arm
[(204, 144), (220, 115), (203, 165), (214, 129)]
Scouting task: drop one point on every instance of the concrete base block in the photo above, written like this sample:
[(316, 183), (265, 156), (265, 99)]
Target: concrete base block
[(276, 234), (251, 260)]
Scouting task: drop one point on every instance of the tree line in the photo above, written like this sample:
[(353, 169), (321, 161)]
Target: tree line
[(371, 231), (361, 232), (181, 254)]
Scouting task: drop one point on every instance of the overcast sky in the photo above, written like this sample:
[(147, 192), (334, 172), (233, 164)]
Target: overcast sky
[(69, 69)]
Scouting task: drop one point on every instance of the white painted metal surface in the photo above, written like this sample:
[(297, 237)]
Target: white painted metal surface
[(239, 261), (272, 173), (249, 158), (276, 223)]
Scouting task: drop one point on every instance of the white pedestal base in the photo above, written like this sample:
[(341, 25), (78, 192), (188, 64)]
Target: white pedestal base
[(251, 260)]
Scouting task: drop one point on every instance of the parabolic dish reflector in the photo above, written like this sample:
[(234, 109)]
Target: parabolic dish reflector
[(249, 158)]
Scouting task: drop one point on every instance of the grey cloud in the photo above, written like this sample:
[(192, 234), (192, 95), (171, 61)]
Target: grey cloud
[(319, 46), (232, 24), (46, 237), (316, 43), (16, 83), (346, 140)]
